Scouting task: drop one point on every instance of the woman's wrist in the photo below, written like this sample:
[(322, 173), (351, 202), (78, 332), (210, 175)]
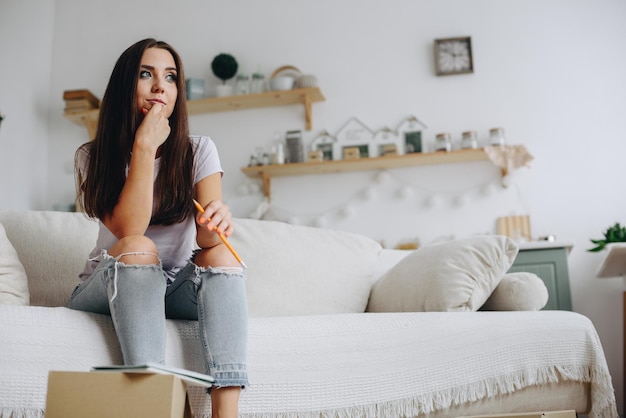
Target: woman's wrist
[(144, 146)]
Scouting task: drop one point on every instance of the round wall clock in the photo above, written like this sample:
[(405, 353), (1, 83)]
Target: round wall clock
[(453, 56)]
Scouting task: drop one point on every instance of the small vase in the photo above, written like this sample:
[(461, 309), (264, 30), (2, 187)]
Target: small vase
[(223, 90)]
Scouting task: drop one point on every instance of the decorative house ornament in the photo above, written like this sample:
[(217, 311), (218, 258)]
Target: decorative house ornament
[(407, 138), (453, 56), (326, 143), (387, 142), (410, 134), (355, 134)]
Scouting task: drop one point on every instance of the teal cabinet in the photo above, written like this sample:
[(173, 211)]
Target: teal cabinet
[(550, 264)]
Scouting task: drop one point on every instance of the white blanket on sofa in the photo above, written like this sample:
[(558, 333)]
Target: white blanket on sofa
[(459, 358)]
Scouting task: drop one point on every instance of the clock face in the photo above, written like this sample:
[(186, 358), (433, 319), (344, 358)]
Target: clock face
[(453, 56)]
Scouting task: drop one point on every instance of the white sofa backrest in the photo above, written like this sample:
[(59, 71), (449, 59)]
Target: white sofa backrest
[(53, 248), (301, 270), (292, 270)]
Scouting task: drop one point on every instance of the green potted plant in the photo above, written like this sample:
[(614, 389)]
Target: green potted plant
[(615, 233), (224, 67)]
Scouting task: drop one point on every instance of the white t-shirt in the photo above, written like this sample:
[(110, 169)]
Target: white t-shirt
[(175, 242)]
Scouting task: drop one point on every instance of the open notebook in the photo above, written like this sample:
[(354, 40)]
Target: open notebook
[(191, 377)]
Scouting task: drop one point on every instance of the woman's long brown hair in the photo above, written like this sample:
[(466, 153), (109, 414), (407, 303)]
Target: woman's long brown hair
[(110, 151)]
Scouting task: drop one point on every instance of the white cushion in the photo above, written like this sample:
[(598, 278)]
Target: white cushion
[(456, 275), (301, 270), (520, 291), (53, 247), (13, 281)]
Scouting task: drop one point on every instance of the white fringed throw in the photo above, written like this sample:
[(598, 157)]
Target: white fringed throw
[(348, 365)]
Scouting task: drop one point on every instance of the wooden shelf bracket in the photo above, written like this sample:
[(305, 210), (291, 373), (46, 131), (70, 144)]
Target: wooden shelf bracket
[(308, 112)]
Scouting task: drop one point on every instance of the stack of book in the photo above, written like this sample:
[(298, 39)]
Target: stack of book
[(80, 101)]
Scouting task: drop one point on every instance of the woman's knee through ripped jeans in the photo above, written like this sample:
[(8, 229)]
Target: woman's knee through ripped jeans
[(139, 301)]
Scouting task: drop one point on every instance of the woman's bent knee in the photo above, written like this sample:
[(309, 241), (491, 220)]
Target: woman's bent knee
[(135, 249), (218, 256)]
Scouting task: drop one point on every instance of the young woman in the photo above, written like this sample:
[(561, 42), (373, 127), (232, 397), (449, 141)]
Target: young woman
[(139, 177)]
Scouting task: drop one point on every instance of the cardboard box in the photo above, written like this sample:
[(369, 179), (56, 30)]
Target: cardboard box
[(116, 394), (544, 414)]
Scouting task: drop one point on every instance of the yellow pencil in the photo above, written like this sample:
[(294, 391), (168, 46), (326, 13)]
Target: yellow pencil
[(222, 237)]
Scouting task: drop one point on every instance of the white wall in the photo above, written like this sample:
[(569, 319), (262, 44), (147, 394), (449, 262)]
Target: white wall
[(26, 34), (550, 72)]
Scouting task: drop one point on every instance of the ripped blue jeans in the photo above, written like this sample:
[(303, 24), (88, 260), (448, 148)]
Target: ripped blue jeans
[(139, 300)]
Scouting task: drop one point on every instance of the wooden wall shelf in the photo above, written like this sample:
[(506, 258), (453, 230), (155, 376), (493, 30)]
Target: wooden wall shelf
[(267, 172), (305, 96)]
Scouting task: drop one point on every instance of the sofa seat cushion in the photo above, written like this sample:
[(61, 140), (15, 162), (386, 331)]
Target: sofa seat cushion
[(456, 275), (13, 281), (301, 270)]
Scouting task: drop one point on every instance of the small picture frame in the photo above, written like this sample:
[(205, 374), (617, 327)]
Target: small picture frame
[(351, 153), (315, 156)]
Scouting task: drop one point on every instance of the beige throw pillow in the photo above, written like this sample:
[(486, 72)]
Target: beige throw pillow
[(520, 291), (13, 280), (456, 275)]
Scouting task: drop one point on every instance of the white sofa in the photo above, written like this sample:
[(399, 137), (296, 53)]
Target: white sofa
[(328, 337)]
